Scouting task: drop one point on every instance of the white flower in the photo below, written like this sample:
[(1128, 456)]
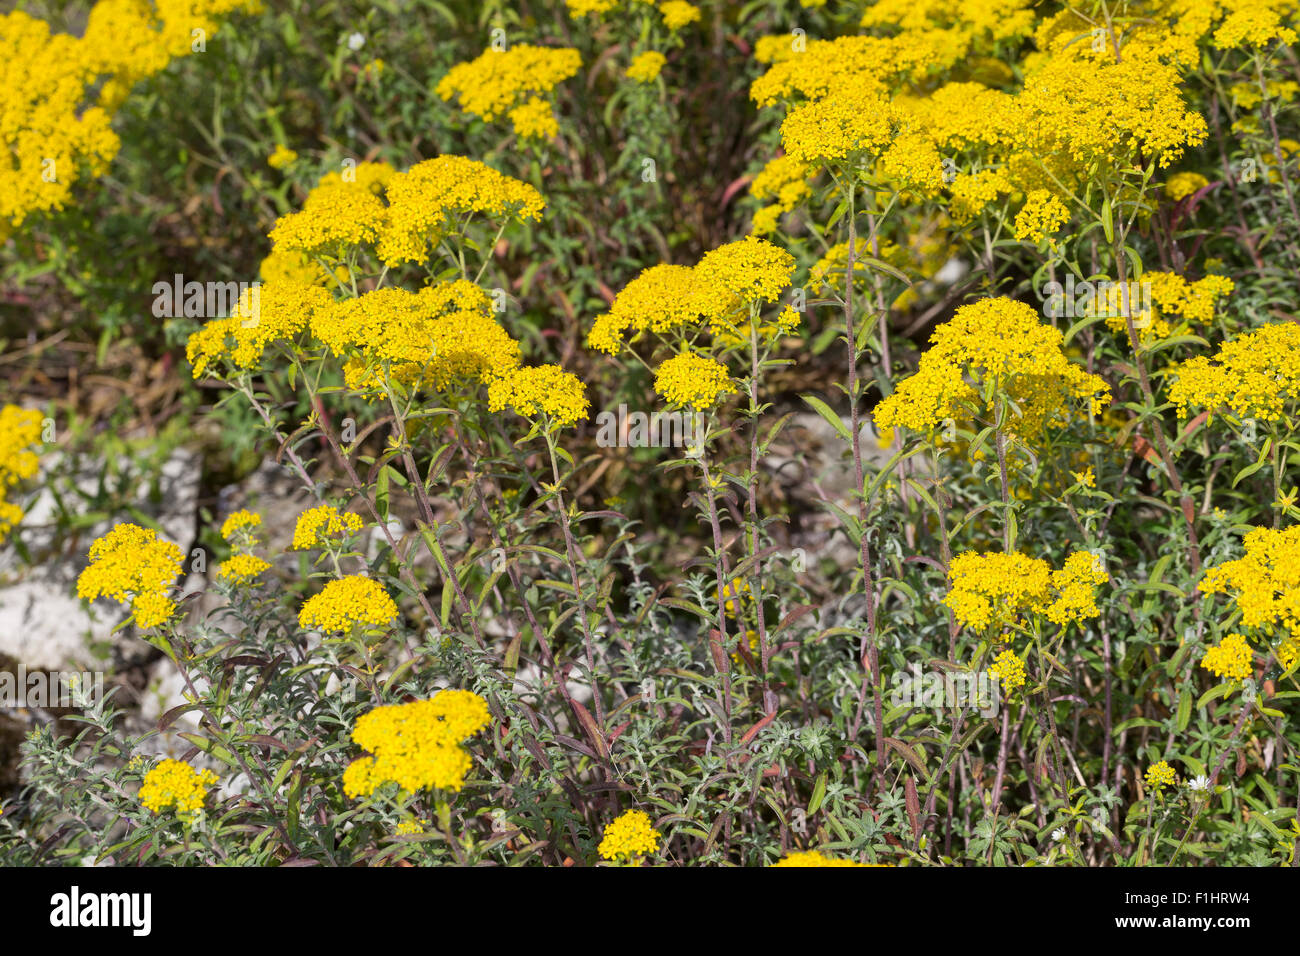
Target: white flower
[(1200, 783), (1058, 834), (356, 41)]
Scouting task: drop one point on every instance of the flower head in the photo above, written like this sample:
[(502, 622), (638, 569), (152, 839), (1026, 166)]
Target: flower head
[(174, 784), (498, 80), (800, 858), (132, 565), (999, 342), (1256, 375), (1231, 658), (242, 568), (1160, 775), (317, 525), (416, 745), (678, 13), (541, 390), (240, 522), (281, 157), (1010, 669), (691, 379), (348, 602), (629, 837), (645, 67)]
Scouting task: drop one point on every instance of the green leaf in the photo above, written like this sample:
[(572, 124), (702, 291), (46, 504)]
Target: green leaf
[(824, 410), (818, 794)]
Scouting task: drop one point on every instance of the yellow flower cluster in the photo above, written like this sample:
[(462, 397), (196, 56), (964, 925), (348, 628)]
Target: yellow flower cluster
[(858, 102), (437, 197), (1265, 583), (293, 267), (590, 8), (661, 298), (856, 120), (541, 390), (1194, 301), (1095, 109), (740, 274), (1247, 95), (442, 335), (992, 341), (1074, 588), (1010, 669), (267, 313), (995, 589), (691, 379), (645, 67), (1041, 217), (814, 858), (1256, 23), (416, 745), (132, 565), (240, 521), (175, 784), (50, 129), (337, 215), (281, 157), (348, 602), (629, 837), (1256, 375), (1182, 185), (1171, 296), (1160, 775), (726, 284), (1231, 658), (51, 136), (534, 119), (20, 430), (242, 568), (784, 180), (678, 14), (498, 81), (316, 526)]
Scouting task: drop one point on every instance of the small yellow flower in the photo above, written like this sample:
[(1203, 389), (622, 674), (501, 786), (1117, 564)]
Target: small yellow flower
[(346, 603), (1010, 668), (240, 521), (132, 565), (678, 13), (534, 119), (176, 784), (645, 67), (629, 837), (1231, 658), (416, 745), (1182, 185), (541, 390), (316, 526), (691, 379), (800, 858), (281, 157), (1160, 775), (242, 568)]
